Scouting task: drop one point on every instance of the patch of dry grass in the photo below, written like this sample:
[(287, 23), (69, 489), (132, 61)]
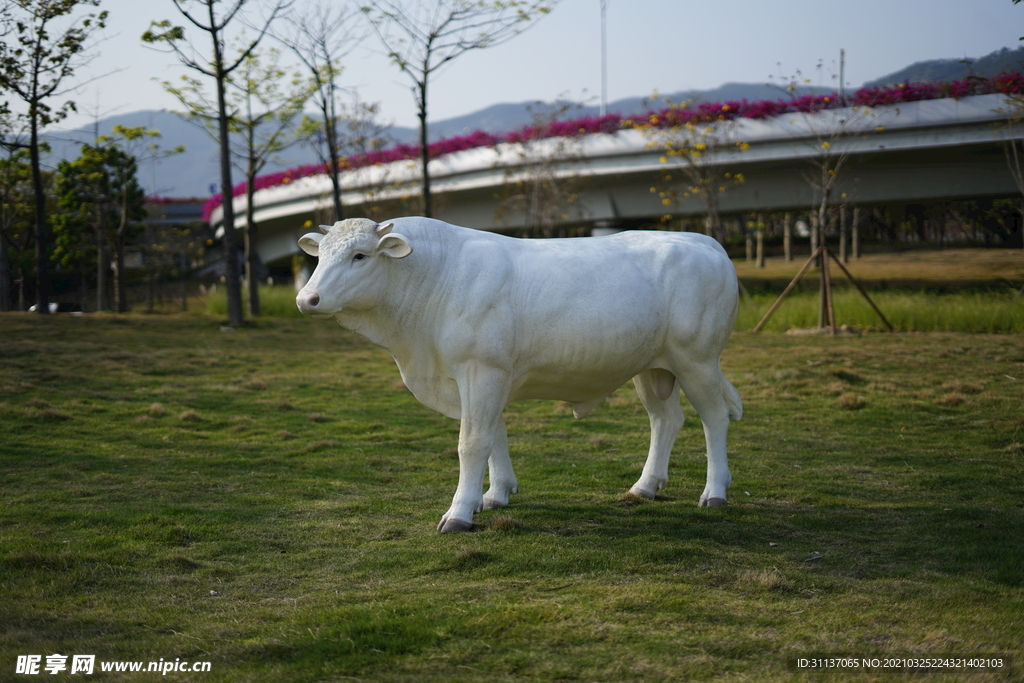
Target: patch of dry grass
[(998, 266)]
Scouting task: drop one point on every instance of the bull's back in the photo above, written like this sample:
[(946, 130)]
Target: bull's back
[(637, 277), (594, 312)]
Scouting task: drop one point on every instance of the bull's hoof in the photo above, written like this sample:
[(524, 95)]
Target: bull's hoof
[(454, 526), (712, 502), (643, 493), (497, 498)]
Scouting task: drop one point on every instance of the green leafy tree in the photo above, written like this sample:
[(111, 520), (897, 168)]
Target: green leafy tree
[(219, 67), (44, 48), (422, 37), (99, 193), (16, 225)]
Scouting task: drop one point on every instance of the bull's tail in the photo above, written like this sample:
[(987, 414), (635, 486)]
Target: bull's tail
[(732, 399)]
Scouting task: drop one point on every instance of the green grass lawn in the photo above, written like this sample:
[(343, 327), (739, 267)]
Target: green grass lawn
[(908, 311), (265, 499)]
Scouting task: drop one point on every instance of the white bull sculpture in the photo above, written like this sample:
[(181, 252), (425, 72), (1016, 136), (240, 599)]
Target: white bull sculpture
[(477, 320)]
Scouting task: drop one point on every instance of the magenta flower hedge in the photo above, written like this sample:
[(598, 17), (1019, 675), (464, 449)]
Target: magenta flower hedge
[(1006, 83)]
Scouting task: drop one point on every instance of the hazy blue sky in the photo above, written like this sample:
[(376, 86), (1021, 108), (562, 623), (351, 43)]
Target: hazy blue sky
[(669, 45)]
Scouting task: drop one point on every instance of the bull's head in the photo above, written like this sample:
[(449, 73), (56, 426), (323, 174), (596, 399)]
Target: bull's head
[(352, 271)]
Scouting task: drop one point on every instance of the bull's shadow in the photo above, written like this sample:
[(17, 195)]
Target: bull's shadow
[(854, 543)]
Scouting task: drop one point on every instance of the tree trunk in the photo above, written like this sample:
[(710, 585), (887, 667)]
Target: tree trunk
[(814, 232), (231, 273), (5, 276), (760, 241), (713, 223), (843, 256), (120, 294), (1021, 209), (42, 234), (822, 296), (428, 207), (331, 133), (101, 271), (252, 258), (787, 236), (855, 233)]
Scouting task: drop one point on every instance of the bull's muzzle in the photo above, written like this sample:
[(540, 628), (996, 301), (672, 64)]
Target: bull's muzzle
[(307, 302)]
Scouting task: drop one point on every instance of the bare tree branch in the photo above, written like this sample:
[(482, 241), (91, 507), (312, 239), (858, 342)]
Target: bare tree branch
[(430, 35)]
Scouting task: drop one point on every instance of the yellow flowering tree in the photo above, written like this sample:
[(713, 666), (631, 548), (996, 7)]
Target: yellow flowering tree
[(833, 135), (834, 129), (697, 145)]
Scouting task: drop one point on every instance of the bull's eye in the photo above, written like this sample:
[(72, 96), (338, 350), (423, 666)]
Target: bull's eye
[(359, 257)]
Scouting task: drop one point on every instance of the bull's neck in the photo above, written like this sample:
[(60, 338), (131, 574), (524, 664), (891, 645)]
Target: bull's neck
[(407, 310)]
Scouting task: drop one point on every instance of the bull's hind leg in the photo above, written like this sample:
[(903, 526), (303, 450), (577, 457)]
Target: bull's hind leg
[(659, 392), (503, 479), (715, 400)]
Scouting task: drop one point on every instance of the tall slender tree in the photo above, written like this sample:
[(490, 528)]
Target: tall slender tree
[(264, 125), (263, 114), (422, 37), (219, 67), (538, 190), (48, 45), (320, 38)]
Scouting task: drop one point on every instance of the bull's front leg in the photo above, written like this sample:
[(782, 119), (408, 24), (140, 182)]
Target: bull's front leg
[(483, 394)]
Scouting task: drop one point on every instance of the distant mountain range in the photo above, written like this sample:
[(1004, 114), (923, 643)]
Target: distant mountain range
[(195, 172), (952, 69)]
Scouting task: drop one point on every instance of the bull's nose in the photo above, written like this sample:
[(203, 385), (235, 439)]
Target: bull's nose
[(307, 302)]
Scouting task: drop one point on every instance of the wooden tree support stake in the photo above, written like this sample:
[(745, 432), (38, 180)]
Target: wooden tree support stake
[(827, 310)]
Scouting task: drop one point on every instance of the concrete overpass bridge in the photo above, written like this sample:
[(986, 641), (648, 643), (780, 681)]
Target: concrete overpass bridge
[(908, 153)]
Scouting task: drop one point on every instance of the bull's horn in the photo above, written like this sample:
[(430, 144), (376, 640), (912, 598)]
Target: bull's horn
[(325, 228), (384, 229)]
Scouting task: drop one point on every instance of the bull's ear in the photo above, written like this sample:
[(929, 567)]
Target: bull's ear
[(384, 229), (310, 243), (394, 245)]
